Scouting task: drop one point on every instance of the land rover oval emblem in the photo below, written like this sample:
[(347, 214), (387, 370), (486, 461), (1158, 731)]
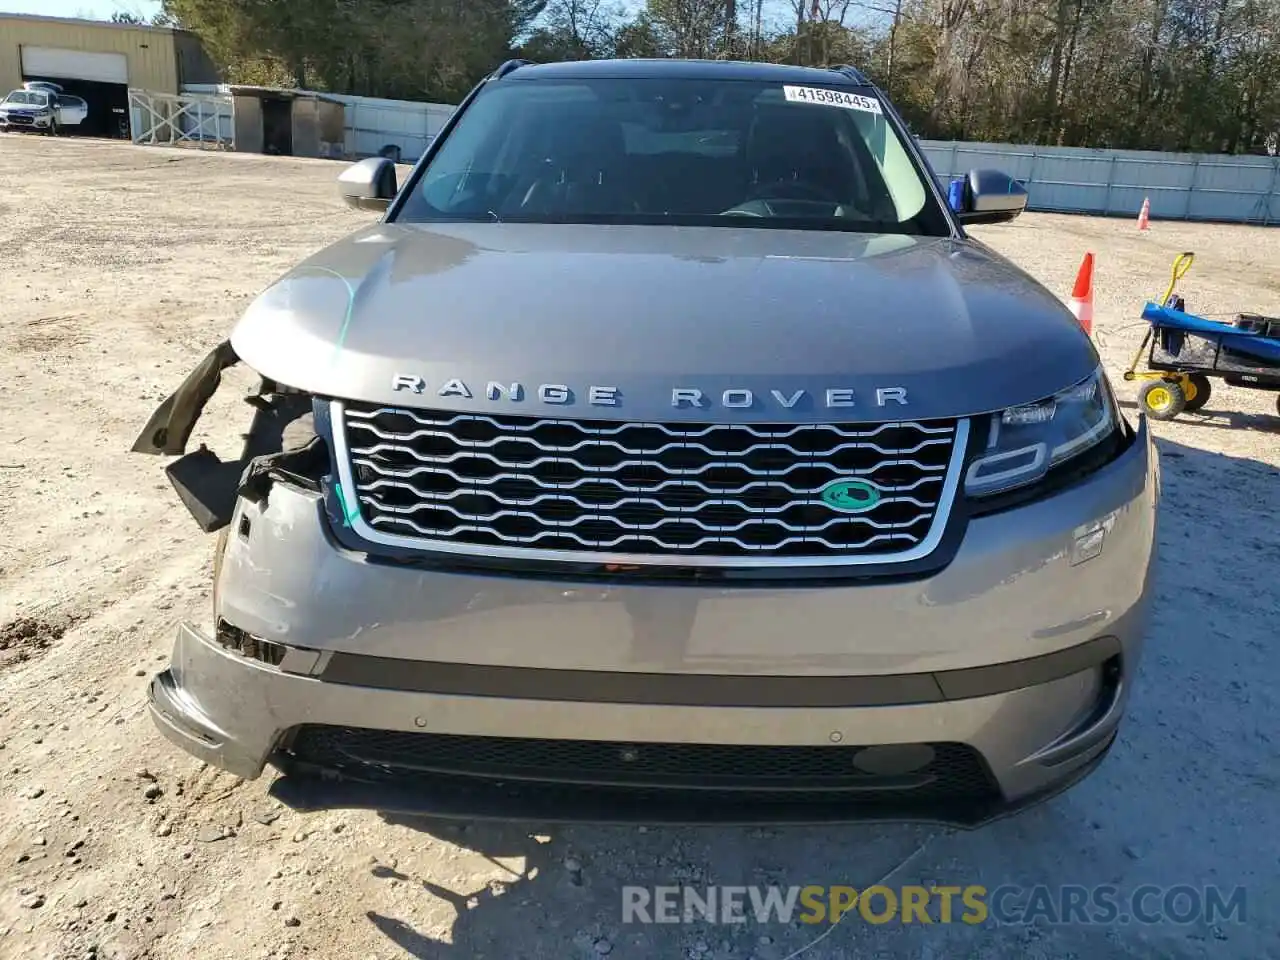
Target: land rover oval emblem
[(850, 496)]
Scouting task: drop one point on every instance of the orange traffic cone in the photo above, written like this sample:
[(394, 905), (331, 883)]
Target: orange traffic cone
[(1144, 216), (1082, 295)]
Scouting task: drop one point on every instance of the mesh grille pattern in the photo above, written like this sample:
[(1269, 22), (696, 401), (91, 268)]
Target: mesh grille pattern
[(951, 770), (699, 490)]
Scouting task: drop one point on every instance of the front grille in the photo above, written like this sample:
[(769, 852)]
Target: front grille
[(935, 771), (749, 492)]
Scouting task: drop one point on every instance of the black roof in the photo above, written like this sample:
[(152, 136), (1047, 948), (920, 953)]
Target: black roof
[(684, 69)]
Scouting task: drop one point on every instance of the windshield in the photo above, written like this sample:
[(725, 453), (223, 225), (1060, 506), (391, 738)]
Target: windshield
[(681, 152), (27, 98)]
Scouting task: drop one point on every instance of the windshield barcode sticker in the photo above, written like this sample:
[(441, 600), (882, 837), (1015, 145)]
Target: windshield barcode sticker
[(832, 98)]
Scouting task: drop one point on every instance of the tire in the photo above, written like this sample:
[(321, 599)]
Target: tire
[(1162, 399), (1278, 403), (1203, 391)]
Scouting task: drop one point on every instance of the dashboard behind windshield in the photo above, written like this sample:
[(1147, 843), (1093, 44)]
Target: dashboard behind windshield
[(676, 151)]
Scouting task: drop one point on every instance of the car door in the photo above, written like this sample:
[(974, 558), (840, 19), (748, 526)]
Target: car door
[(71, 110)]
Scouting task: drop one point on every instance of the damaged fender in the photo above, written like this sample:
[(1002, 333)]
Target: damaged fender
[(281, 444), (170, 426)]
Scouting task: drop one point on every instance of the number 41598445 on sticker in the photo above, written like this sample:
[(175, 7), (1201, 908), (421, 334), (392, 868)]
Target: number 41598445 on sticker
[(833, 98)]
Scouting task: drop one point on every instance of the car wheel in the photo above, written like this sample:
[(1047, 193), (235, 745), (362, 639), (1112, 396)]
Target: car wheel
[(1162, 399), (1278, 403), (1202, 389)]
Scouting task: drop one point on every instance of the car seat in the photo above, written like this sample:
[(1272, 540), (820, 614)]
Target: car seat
[(584, 170), (799, 146)]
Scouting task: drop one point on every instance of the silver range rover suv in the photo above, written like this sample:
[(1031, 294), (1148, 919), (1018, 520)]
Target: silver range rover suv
[(666, 450)]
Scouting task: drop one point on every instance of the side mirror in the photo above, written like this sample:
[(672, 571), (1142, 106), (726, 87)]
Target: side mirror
[(987, 196), (369, 184)]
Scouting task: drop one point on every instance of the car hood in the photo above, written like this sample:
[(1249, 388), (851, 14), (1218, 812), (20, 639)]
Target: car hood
[(607, 321)]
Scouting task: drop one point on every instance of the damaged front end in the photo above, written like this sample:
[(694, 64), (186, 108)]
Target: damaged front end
[(281, 444)]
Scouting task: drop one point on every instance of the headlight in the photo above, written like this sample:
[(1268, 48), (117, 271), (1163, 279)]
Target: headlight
[(1024, 443)]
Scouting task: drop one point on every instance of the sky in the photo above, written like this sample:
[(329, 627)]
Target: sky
[(92, 9)]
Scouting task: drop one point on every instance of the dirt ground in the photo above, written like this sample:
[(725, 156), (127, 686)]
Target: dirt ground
[(120, 266)]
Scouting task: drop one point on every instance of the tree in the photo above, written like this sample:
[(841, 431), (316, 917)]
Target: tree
[(575, 30), (412, 49), (1161, 74), (688, 28)]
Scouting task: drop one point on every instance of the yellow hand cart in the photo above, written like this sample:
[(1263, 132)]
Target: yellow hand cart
[(1185, 353)]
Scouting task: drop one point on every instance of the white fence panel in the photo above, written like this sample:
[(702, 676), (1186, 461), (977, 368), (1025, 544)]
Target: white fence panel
[(1182, 186), (190, 118), (373, 124), (225, 125)]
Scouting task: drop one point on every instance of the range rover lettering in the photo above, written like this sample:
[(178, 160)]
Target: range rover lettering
[(667, 449)]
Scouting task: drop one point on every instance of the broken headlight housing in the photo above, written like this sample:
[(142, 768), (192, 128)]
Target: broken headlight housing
[(1055, 437)]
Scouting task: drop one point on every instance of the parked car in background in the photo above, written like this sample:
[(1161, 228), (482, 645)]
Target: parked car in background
[(41, 106)]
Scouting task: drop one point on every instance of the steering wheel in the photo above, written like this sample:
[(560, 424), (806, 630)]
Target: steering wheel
[(793, 190)]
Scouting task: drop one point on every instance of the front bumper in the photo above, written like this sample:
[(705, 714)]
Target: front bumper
[(1013, 664), (21, 122)]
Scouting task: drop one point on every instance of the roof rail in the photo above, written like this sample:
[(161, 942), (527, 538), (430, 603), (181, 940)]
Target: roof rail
[(853, 73), (508, 67)]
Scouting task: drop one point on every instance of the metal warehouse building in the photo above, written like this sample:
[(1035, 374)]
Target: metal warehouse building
[(99, 61)]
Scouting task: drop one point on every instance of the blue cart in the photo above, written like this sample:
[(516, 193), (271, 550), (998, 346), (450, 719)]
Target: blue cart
[(1185, 353)]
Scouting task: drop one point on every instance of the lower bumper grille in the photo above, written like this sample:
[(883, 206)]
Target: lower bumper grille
[(934, 772)]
